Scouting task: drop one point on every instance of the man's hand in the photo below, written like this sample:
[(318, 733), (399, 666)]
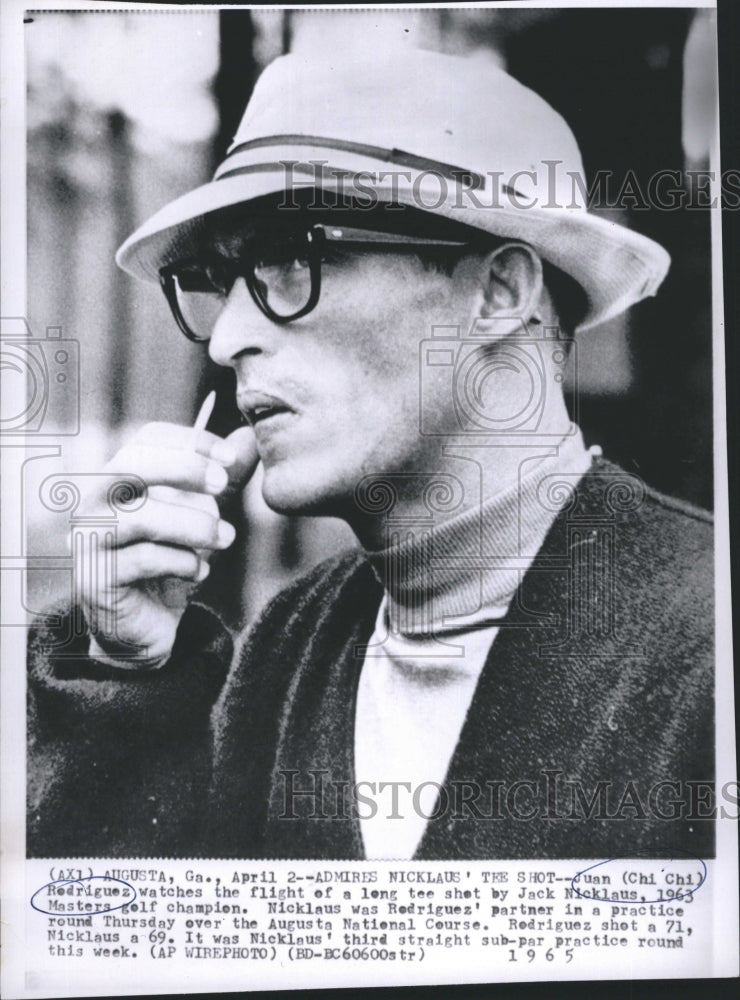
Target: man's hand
[(162, 547)]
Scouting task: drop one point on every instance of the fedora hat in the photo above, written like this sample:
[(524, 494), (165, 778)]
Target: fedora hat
[(457, 138)]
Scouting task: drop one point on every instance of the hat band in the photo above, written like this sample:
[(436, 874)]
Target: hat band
[(398, 156)]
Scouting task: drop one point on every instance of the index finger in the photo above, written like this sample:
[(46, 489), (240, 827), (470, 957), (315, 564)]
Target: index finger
[(181, 468), (181, 438)]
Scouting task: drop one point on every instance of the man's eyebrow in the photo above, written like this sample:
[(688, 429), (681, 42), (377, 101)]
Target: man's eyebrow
[(231, 236), (230, 243)]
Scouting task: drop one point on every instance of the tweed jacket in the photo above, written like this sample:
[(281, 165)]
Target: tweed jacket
[(593, 714)]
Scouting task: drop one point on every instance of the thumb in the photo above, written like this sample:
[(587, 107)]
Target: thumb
[(243, 442)]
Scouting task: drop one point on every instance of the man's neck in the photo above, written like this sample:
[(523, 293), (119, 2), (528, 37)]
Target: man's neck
[(469, 471), (446, 573)]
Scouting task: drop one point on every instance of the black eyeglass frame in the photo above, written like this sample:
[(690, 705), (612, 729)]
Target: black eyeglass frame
[(317, 236)]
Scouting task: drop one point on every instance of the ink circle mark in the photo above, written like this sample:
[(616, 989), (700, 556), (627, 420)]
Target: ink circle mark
[(671, 856), (90, 896)]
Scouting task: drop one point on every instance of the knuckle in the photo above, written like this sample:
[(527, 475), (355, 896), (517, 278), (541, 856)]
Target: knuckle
[(131, 526), (211, 530), (145, 557), (204, 504), (198, 528)]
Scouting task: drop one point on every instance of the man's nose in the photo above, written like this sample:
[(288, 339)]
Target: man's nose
[(242, 328)]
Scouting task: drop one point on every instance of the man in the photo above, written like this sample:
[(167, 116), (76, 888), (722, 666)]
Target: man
[(518, 660)]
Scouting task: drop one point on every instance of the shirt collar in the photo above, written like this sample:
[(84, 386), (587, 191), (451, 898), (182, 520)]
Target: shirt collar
[(464, 571)]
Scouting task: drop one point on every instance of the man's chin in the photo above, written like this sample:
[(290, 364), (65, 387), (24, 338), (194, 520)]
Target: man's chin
[(287, 493)]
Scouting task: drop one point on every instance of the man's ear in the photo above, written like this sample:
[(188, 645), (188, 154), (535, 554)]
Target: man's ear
[(511, 278)]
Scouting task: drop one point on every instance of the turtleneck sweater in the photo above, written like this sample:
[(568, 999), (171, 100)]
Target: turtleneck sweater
[(445, 591)]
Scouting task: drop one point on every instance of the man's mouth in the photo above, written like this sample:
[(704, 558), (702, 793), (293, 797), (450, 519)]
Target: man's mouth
[(259, 407)]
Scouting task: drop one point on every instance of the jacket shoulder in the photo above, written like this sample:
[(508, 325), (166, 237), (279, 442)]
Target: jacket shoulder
[(680, 509), (663, 547), (633, 502)]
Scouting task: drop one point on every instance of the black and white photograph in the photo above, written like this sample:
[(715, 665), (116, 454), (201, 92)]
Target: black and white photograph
[(365, 420)]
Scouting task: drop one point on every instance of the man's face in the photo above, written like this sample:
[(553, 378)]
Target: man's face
[(334, 396)]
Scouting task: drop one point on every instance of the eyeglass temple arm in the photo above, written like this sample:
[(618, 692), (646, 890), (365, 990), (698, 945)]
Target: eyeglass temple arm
[(344, 234)]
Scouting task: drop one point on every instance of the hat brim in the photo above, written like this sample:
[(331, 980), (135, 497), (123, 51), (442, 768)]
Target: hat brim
[(615, 266)]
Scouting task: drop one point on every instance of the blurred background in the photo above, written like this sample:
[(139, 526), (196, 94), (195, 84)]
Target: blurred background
[(127, 110)]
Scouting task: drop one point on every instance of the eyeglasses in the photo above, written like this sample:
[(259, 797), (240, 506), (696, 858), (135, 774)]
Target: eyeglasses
[(281, 270)]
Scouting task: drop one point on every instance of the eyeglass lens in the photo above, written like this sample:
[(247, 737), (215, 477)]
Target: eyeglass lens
[(279, 276), (282, 276)]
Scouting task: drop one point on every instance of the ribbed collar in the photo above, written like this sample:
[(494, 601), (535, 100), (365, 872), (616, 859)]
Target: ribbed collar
[(465, 571)]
